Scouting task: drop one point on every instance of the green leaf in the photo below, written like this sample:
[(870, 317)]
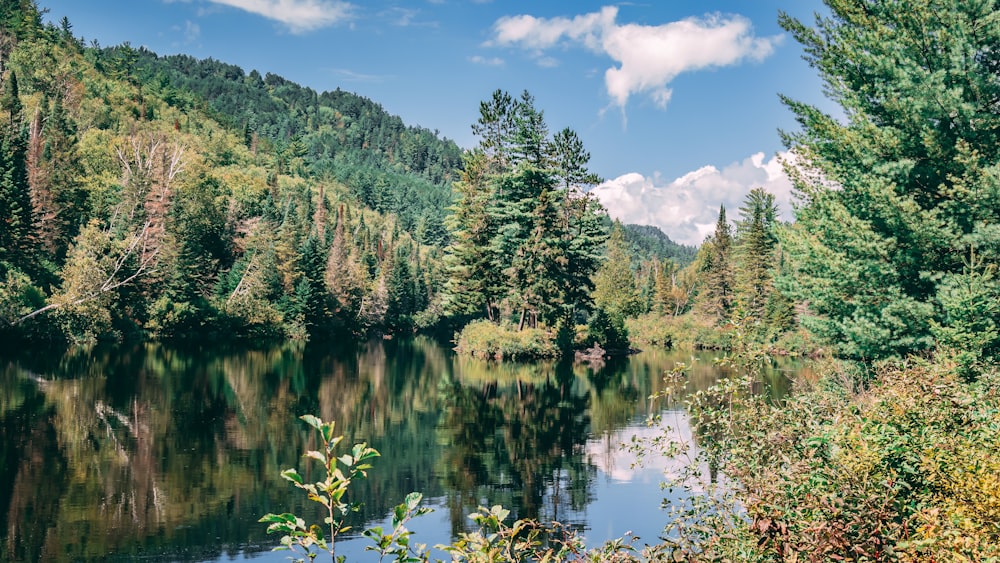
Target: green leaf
[(293, 476), (313, 421), (313, 454), (413, 499)]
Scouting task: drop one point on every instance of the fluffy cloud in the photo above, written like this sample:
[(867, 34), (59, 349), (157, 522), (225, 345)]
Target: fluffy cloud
[(479, 60), (648, 57), (299, 15), (687, 207)]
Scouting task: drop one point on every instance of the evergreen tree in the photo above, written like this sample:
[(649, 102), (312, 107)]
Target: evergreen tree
[(495, 129), (61, 159), (615, 289), (403, 290), (473, 279), (16, 218), (716, 297), (755, 257), (516, 245), (899, 196), (570, 160), (531, 143)]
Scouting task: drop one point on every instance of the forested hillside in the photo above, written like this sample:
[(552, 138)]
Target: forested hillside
[(650, 241), (175, 197), (386, 165), (170, 197)]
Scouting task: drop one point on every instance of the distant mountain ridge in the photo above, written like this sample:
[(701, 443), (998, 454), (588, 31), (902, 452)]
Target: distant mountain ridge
[(649, 241)]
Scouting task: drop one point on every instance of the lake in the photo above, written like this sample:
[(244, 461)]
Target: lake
[(168, 453)]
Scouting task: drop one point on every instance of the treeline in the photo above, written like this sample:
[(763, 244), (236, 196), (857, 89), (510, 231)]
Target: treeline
[(129, 205), (728, 291)]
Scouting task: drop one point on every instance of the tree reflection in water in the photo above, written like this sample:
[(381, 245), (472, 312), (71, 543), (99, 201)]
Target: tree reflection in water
[(173, 453)]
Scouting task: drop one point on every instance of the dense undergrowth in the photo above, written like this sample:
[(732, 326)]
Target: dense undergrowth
[(894, 463)]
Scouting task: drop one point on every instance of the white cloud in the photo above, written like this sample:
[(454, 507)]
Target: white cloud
[(352, 76), (191, 32), (479, 60), (299, 15), (648, 57), (687, 207), (541, 33)]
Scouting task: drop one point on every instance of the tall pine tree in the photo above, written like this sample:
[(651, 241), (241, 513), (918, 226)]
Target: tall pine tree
[(901, 200), (16, 218)]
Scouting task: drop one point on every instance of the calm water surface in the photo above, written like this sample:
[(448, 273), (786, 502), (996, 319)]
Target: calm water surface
[(162, 453)]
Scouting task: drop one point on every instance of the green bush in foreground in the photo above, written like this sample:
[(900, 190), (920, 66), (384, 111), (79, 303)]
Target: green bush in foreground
[(902, 469)]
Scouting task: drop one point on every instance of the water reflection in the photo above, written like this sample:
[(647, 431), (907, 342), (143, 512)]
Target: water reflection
[(171, 453)]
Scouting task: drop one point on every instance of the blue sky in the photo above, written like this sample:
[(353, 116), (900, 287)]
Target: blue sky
[(676, 101)]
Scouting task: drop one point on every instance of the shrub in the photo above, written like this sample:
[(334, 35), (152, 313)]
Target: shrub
[(483, 339), (899, 467), (608, 330), (651, 329)]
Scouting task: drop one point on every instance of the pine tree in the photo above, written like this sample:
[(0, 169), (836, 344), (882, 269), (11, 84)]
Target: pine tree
[(754, 257), (495, 128), (897, 197), (570, 160), (531, 143), (517, 246), (716, 297), (16, 217), (472, 277)]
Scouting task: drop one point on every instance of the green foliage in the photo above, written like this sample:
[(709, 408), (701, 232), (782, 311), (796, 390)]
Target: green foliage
[(16, 221), (330, 492), (650, 329), (483, 339), (608, 329), (896, 196), (140, 198), (18, 296), (905, 471), (386, 165), (970, 303), (715, 265), (397, 543), (755, 259), (647, 241), (615, 290), (522, 246)]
